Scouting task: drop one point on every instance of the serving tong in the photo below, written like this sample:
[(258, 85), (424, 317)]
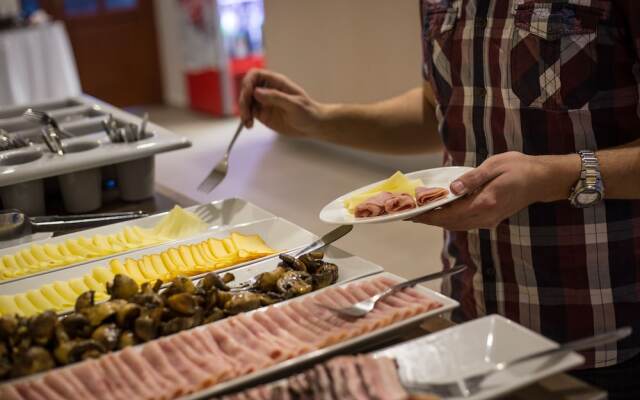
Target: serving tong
[(15, 223), (472, 384), (125, 132)]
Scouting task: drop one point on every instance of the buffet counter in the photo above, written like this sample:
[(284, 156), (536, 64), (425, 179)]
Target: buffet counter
[(556, 387)]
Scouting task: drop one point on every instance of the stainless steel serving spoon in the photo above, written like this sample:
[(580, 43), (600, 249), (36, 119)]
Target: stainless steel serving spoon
[(15, 223), (316, 245)]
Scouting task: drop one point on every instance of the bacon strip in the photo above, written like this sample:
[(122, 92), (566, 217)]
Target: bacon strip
[(202, 357), (426, 195)]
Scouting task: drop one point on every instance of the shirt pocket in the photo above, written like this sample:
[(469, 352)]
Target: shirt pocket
[(439, 19), (553, 56)]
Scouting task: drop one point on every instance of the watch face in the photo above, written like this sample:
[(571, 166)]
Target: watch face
[(588, 197)]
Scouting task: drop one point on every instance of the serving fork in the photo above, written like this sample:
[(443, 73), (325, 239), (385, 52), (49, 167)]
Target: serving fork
[(362, 308), (219, 172), (470, 385)]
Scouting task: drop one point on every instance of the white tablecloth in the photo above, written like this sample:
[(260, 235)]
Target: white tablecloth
[(36, 64)]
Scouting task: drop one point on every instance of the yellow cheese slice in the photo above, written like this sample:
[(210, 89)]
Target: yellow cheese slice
[(147, 270), (39, 301), (24, 305), (54, 297), (169, 264), (133, 271), (8, 305), (160, 267), (251, 244), (117, 267), (78, 286), (93, 284), (177, 260), (185, 255), (102, 275), (65, 291)]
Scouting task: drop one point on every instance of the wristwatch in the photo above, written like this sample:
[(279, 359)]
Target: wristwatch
[(589, 190)]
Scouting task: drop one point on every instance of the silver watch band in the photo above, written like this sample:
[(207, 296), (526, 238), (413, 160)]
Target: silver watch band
[(590, 181)]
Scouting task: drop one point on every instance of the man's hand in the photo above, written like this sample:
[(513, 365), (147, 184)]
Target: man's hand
[(503, 185), (278, 103)]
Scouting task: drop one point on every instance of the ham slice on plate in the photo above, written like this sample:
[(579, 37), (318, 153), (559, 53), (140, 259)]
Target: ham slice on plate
[(399, 202), (426, 195), (373, 206)]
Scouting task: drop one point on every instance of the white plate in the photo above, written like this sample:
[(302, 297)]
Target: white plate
[(336, 213), (321, 354), (474, 347), (227, 213), (278, 233)]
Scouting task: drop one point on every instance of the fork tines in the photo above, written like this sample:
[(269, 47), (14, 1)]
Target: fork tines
[(44, 118), (212, 180)]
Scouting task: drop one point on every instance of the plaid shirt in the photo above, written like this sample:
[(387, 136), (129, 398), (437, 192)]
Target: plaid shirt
[(542, 77)]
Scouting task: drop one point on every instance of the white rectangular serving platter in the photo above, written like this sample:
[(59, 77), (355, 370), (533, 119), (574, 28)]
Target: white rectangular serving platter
[(104, 153), (221, 214), (321, 354), (278, 233), (474, 347), (352, 263)]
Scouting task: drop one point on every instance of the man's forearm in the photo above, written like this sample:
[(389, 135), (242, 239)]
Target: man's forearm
[(620, 168), (401, 125)]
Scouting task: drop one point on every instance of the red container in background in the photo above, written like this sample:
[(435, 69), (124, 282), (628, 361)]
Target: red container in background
[(205, 91), (223, 41)]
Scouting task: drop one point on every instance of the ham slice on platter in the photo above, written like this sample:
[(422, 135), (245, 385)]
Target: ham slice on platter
[(399, 202), (426, 195), (202, 357), (374, 206), (346, 377), (384, 203)]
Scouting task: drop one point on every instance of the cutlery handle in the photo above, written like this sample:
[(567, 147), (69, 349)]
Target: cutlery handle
[(326, 239), (420, 279), (580, 344), (430, 277), (66, 222), (234, 138)]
